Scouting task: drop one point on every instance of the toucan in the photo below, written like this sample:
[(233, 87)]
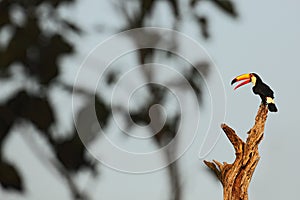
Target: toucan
[(259, 88)]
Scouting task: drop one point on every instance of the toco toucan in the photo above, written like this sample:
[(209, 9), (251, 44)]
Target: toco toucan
[(259, 88)]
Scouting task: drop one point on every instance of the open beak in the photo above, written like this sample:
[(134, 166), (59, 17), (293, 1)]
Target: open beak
[(246, 77)]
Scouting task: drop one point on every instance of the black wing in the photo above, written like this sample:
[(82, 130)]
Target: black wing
[(263, 90)]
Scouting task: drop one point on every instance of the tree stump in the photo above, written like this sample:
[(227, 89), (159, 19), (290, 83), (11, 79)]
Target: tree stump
[(236, 177)]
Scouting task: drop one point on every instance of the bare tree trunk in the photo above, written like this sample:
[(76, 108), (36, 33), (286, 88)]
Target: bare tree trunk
[(236, 177)]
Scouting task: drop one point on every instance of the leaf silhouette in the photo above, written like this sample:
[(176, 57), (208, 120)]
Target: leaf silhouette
[(175, 7), (71, 153), (226, 6), (102, 111), (35, 109), (203, 23), (6, 121), (10, 177)]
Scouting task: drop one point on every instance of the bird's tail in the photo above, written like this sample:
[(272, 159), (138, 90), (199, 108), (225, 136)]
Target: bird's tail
[(272, 107)]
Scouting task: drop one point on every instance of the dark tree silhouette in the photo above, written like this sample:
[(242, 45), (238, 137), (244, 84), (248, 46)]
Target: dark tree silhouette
[(37, 50)]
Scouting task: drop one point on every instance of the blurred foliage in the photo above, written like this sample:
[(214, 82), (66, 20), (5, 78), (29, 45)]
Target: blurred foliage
[(38, 50)]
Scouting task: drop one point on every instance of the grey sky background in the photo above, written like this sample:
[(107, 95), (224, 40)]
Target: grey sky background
[(264, 39)]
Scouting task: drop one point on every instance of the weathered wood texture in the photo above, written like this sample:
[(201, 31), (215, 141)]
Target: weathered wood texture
[(236, 177)]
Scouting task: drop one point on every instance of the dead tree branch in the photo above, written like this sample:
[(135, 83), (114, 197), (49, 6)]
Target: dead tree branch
[(236, 177)]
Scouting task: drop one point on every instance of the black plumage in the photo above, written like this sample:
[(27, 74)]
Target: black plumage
[(264, 91)]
